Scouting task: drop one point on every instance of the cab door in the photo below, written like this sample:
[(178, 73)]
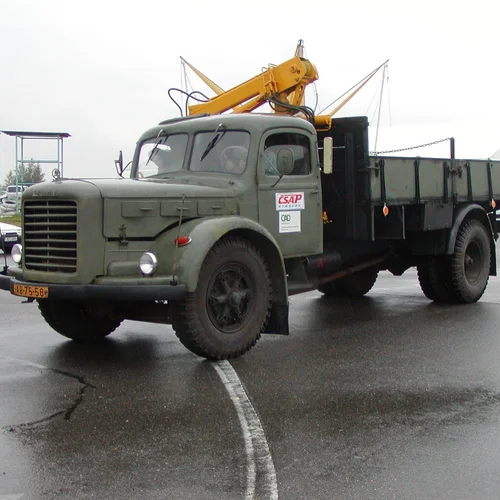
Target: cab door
[(290, 208)]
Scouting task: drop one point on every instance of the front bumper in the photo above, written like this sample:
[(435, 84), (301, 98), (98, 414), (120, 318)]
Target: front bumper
[(122, 292)]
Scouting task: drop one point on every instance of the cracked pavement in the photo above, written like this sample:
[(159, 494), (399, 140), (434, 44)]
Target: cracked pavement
[(29, 377)]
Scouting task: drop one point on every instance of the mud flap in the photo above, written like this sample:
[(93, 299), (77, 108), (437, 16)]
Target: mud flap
[(278, 320)]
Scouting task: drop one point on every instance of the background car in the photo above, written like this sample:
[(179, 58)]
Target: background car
[(9, 236), (15, 192)]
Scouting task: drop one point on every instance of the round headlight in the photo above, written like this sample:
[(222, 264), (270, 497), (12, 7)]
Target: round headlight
[(17, 253), (148, 263)]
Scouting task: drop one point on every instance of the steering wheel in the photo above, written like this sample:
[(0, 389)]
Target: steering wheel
[(236, 149)]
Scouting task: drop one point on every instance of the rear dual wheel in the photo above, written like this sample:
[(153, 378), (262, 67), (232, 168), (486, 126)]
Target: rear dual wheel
[(433, 278), (461, 277), (470, 263), (353, 285)]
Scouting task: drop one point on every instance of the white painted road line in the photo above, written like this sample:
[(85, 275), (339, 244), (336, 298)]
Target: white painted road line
[(259, 460), (15, 496)]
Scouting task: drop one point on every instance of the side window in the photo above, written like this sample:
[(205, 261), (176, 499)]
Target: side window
[(297, 143)]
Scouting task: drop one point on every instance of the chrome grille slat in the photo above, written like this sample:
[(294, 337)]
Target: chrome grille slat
[(53, 267), (51, 232), (55, 224), (50, 235), (47, 255), (52, 215), (53, 240)]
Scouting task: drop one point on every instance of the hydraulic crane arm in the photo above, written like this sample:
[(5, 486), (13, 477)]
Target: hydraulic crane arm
[(284, 85), (275, 82)]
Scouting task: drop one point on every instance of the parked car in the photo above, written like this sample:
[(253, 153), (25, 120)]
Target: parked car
[(9, 236), (14, 192)]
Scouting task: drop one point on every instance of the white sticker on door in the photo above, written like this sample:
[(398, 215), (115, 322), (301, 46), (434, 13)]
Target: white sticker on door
[(289, 222), (290, 201)]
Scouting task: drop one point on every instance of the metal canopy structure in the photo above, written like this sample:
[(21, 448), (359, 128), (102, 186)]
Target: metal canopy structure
[(21, 136)]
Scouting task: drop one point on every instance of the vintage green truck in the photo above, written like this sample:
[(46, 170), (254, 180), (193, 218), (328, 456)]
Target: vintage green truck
[(222, 218)]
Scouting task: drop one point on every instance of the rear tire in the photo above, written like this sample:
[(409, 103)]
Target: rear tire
[(329, 289), (75, 320), (353, 285), (470, 263), (434, 279), (358, 284), (224, 317)]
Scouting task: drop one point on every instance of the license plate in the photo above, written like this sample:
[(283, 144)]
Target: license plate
[(36, 292), (10, 238)]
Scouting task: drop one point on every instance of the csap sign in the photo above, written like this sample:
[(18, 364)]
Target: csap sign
[(290, 201)]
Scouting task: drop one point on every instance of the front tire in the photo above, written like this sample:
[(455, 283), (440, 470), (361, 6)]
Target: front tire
[(224, 317), (76, 320)]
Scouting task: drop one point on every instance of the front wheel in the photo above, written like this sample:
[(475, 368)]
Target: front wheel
[(77, 320), (224, 317)]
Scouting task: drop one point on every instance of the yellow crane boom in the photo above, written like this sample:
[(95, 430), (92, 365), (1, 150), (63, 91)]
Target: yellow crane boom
[(275, 82), (282, 85)]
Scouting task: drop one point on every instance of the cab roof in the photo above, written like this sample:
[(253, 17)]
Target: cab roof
[(253, 122)]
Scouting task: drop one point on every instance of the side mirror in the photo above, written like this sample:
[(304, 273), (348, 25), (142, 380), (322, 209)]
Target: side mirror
[(328, 155), (119, 164), (285, 161)]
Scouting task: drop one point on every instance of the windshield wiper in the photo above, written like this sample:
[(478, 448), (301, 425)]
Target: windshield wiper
[(160, 141), (211, 145)]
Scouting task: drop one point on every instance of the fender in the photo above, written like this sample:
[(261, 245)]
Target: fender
[(461, 214), (205, 232)]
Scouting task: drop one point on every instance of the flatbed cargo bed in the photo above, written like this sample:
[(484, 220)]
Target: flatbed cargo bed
[(406, 181), (371, 197)]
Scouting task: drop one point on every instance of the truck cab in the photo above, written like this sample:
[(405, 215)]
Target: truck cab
[(268, 167)]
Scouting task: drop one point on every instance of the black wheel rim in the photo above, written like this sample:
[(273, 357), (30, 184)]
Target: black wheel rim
[(473, 262), (229, 297)]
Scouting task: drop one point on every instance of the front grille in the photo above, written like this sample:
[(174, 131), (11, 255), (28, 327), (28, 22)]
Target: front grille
[(49, 231)]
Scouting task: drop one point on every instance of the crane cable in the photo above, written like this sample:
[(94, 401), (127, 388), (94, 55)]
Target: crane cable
[(354, 86)]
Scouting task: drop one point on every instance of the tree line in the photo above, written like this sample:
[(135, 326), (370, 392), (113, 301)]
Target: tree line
[(30, 173)]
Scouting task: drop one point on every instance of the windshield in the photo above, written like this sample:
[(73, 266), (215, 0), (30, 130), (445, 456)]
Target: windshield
[(223, 151), (161, 155)]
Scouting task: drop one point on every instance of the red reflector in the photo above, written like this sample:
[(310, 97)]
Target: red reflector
[(182, 240)]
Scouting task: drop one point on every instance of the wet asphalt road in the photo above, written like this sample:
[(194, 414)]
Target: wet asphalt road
[(388, 397)]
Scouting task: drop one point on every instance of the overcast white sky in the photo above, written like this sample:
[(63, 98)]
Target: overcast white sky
[(100, 70)]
